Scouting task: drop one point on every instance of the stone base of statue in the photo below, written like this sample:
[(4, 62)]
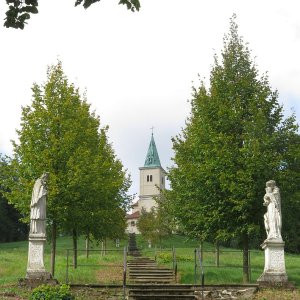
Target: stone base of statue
[(274, 272), (36, 273)]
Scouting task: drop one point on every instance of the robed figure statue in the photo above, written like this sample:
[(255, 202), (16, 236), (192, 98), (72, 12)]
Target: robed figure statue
[(38, 206), (274, 273), (36, 271), (272, 217)]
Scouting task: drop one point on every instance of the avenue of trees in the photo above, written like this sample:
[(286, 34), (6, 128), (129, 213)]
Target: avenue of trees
[(87, 185), (235, 139), (19, 11)]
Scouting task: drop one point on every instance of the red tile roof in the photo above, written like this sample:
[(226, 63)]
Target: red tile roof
[(134, 215)]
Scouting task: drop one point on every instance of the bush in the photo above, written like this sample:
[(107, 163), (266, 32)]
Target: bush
[(49, 292), (168, 257)]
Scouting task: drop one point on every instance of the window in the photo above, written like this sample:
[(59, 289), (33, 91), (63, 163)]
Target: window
[(162, 180), (132, 223), (149, 178)]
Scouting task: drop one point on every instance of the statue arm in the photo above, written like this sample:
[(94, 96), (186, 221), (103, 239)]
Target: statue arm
[(267, 199), (37, 194)]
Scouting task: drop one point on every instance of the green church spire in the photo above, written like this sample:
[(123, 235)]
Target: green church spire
[(152, 158)]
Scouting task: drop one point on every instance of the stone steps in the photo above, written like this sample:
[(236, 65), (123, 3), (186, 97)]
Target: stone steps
[(161, 292), (132, 247), (150, 271), (145, 270), (182, 291)]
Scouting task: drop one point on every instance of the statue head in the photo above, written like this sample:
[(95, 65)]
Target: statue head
[(271, 184), (45, 177)]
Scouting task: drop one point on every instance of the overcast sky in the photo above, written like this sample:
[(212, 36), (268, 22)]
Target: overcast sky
[(138, 68)]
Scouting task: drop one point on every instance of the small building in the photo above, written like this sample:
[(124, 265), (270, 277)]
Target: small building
[(152, 181)]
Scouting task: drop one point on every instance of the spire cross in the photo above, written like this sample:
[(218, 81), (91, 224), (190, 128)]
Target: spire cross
[(152, 129)]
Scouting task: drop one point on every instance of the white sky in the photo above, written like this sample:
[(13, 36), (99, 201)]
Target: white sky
[(138, 68)]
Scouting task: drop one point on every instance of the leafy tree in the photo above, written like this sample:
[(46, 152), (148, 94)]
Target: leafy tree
[(289, 179), (19, 11), (60, 135), (103, 185), (153, 225), (234, 141), (11, 229)]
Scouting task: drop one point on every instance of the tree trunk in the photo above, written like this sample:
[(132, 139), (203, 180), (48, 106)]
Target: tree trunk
[(245, 259), (87, 246), (217, 252), (201, 251), (53, 249), (102, 247), (74, 248)]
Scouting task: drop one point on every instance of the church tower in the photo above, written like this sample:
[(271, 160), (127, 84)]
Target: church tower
[(152, 181), (152, 178)]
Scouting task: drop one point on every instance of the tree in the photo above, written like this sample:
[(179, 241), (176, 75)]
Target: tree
[(103, 186), (11, 229), (289, 179), (60, 135), (234, 141), (153, 225), (19, 11)]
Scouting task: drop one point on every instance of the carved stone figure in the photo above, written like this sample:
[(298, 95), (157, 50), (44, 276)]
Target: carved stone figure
[(274, 271), (272, 217), (38, 206), (37, 236)]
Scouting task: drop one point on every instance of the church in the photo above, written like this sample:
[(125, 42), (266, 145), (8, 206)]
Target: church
[(152, 180)]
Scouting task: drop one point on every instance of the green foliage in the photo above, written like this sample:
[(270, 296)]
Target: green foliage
[(48, 292), (168, 257), (152, 225), (235, 140), (11, 229), (19, 11), (58, 134)]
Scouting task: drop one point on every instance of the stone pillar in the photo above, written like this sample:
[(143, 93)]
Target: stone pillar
[(35, 265), (274, 271)]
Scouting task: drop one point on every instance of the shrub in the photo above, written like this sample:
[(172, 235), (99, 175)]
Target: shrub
[(168, 257), (49, 292)]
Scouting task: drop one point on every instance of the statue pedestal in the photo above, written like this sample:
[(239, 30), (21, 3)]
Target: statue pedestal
[(274, 272), (35, 265)]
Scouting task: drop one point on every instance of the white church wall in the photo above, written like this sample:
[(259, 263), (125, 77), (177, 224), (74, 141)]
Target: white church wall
[(131, 227), (151, 179)]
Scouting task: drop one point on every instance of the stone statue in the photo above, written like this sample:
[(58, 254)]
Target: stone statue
[(38, 206), (272, 217), (36, 272), (274, 273)]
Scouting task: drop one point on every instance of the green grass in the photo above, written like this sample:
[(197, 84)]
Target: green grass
[(230, 262), (107, 269), (13, 262)]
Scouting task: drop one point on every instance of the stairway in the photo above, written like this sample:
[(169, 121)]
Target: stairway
[(161, 291), (153, 282), (132, 247), (185, 291), (145, 270)]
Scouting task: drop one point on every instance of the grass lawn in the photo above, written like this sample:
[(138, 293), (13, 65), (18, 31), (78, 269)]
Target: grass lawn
[(13, 262), (230, 262), (107, 269)]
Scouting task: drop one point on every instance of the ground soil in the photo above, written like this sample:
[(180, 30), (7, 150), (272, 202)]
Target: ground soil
[(277, 294)]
